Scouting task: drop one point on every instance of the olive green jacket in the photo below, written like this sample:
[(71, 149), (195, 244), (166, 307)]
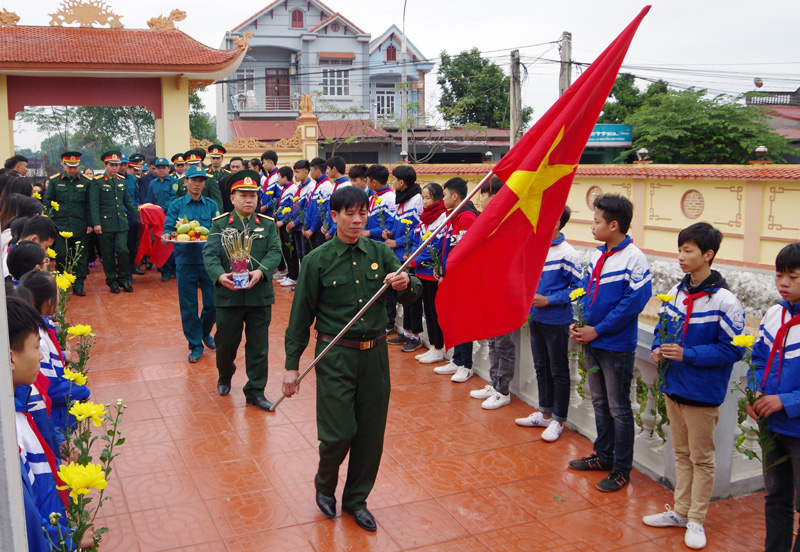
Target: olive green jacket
[(108, 199), (72, 196)]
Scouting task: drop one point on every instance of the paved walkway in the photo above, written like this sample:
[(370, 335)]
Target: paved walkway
[(200, 472)]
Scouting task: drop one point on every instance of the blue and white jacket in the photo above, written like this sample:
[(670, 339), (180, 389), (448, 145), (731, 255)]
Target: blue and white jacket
[(708, 354), (409, 210), (787, 387), (561, 275), (286, 199), (316, 203), (271, 185), (385, 208), (423, 263), (326, 205), (61, 390), (624, 289), (302, 193)]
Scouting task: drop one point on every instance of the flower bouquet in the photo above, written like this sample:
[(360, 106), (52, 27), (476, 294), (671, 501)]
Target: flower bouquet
[(237, 244)]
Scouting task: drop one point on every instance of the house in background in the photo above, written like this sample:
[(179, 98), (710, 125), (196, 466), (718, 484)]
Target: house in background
[(783, 115), (304, 47)]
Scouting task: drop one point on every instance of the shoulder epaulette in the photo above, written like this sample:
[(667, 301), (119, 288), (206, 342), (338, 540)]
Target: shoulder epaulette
[(55, 176), (98, 177), (220, 216), (263, 216)]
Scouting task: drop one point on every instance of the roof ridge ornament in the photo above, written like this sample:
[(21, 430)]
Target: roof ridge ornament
[(162, 23), (85, 13), (242, 42), (8, 19)]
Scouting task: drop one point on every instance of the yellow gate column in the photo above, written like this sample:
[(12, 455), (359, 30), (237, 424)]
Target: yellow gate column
[(172, 130), (6, 124)]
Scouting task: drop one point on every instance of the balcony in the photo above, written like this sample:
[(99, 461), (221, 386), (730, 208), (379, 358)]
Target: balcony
[(249, 103)]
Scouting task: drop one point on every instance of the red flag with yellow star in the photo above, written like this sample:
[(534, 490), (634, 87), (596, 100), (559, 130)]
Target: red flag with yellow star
[(492, 274)]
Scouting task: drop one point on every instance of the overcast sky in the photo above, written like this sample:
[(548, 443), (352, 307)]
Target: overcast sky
[(707, 38)]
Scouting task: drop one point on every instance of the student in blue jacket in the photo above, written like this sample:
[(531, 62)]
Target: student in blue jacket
[(776, 356), (617, 289), (702, 318)]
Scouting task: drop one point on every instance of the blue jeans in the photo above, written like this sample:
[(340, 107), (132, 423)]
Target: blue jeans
[(550, 348), (611, 399), (462, 355), (782, 482)]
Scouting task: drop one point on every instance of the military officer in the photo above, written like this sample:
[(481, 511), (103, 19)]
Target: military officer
[(108, 200), (191, 272), (180, 165), (251, 307), (70, 189), (336, 280), (215, 152), (211, 188), (127, 171)]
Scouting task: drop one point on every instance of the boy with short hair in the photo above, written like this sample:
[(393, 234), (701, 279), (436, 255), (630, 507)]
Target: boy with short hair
[(283, 216), (702, 317), (41, 230), (335, 168), (321, 191), (610, 337), (777, 382), (358, 176), (303, 190), (550, 317)]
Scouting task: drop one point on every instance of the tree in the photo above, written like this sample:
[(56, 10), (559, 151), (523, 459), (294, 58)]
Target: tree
[(474, 90), (201, 124), (55, 121), (690, 127), (628, 98)]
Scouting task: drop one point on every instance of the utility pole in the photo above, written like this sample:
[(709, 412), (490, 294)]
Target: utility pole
[(515, 99), (404, 90), (565, 77)]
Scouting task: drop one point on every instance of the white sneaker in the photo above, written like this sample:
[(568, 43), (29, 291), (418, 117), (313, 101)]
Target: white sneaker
[(553, 431), (462, 374), (436, 356), (496, 401), (483, 394), (666, 519), (534, 420), (286, 282), (279, 276), (695, 537), (423, 355), (448, 368)]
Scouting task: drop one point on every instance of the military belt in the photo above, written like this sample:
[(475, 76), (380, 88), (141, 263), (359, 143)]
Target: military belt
[(352, 344)]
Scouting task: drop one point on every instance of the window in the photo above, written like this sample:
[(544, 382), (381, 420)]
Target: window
[(336, 82), (244, 80), (278, 89), (297, 19), (391, 53), (384, 101)]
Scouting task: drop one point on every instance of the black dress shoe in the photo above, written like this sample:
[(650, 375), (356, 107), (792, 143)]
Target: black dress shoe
[(114, 288), (79, 292), (138, 271), (327, 504), (148, 265), (363, 518), (127, 287), (260, 402), (223, 387)]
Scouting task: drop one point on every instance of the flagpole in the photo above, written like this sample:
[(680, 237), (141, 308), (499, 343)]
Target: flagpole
[(374, 298)]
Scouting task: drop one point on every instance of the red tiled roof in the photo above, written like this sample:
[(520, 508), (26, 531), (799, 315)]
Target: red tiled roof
[(791, 112), (336, 55), (790, 133), (270, 131), (90, 49), (331, 18)]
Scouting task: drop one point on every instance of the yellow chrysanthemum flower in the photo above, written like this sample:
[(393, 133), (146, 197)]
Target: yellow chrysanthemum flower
[(75, 377), (576, 293), (320, 201), (62, 282), (296, 199), (406, 221), (55, 205), (378, 201), (426, 236), (96, 412), (37, 195), (51, 253), (744, 340), (70, 277), (81, 479), (664, 298), (286, 210), (78, 330), (65, 234), (270, 192)]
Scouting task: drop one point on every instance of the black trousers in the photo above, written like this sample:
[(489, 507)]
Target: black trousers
[(289, 254), (435, 336)]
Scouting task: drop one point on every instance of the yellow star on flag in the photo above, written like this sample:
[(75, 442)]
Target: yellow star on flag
[(529, 186)]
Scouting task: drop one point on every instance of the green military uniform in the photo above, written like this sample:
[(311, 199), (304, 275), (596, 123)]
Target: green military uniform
[(72, 195), (244, 307), (108, 200), (336, 280)]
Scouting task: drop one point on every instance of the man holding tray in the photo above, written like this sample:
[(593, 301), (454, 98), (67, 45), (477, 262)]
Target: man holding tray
[(241, 254), (189, 265)]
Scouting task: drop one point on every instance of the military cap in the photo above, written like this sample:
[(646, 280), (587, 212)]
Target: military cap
[(245, 180), (215, 150), (193, 157), (123, 159), (195, 171), (111, 156), (178, 159), (161, 161), (71, 158), (136, 160)]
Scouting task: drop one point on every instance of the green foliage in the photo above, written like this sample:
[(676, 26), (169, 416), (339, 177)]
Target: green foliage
[(474, 90), (627, 99), (201, 124), (690, 127)]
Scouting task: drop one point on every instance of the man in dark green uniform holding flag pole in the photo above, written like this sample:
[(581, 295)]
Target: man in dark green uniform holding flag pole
[(337, 279)]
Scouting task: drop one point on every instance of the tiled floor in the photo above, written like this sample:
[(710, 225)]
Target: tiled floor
[(200, 472)]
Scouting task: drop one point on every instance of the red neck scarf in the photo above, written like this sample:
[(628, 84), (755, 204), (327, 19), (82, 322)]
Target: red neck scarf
[(51, 458), (689, 302), (778, 344), (432, 212), (598, 269)]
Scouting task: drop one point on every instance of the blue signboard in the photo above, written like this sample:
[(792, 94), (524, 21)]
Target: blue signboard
[(610, 136)]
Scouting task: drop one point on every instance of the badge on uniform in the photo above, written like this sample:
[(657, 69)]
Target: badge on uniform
[(175, 186), (374, 266)]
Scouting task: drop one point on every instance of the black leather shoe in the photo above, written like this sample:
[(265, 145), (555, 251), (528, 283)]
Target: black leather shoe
[(114, 288), (79, 292), (148, 265), (127, 287), (223, 387), (138, 271), (260, 402), (363, 518), (327, 504)]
